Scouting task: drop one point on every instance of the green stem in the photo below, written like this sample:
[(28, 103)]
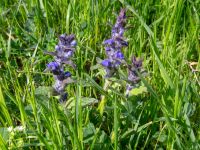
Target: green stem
[(103, 99)]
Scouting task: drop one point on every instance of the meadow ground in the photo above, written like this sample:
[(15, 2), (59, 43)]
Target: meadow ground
[(162, 111)]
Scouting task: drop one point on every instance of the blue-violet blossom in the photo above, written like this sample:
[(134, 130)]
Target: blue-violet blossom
[(133, 70), (114, 45), (64, 51)]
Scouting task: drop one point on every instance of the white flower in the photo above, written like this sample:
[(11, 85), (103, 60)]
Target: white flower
[(10, 129), (19, 128)]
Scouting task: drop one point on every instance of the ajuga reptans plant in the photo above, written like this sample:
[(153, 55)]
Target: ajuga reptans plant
[(115, 57), (62, 56), (114, 45)]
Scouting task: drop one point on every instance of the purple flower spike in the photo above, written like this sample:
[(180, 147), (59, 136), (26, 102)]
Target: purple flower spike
[(121, 20), (114, 46), (64, 51), (135, 67), (106, 63)]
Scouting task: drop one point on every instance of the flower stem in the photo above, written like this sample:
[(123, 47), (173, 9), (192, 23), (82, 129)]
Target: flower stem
[(103, 98)]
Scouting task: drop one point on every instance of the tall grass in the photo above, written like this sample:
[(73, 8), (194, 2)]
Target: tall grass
[(165, 116)]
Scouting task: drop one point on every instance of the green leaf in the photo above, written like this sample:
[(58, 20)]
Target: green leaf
[(4, 133), (89, 132), (85, 101), (138, 91), (43, 90)]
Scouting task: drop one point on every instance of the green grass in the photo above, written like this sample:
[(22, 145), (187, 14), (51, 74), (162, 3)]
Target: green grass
[(165, 34)]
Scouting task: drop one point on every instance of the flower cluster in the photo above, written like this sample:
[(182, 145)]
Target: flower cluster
[(114, 45), (64, 51), (133, 70), (115, 57)]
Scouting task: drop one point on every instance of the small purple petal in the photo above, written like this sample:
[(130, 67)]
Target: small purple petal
[(124, 43), (106, 63), (117, 64), (73, 43), (107, 48), (109, 42), (60, 77), (68, 54), (62, 35), (53, 65), (136, 63), (67, 74), (57, 47), (121, 31), (114, 30), (119, 55)]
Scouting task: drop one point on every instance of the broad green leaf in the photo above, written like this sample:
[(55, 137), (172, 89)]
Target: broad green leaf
[(85, 101), (4, 133), (89, 132), (138, 91), (43, 90)]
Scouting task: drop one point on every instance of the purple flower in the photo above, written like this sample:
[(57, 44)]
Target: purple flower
[(109, 42), (133, 70), (54, 68), (62, 75), (133, 77), (120, 42), (57, 48), (114, 46), (53, 65), (68, 54), (64, 51), (66, 40), (59, 86), (67, 74), (106, 63), (73, 43), (119, 55), (136, 63), (121, 31), (121, 19), (107, 49)]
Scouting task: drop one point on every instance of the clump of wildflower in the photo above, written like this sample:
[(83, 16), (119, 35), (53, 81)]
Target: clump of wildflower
[(64, 51), (114, 45), (133, 69)]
